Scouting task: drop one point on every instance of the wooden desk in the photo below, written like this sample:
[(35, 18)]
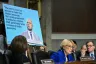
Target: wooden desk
[(82, 62)]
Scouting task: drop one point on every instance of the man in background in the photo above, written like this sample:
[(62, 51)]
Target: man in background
[(74, 52), (91, 52), (29, 34)]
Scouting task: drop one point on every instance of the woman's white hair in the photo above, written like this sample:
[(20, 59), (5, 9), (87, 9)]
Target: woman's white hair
[(65, 42)]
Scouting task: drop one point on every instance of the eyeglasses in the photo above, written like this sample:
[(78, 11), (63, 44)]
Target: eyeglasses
[(83, 49), (90, 45), (69, 46)]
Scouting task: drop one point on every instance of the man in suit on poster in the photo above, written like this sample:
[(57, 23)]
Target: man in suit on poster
[(29, 34)]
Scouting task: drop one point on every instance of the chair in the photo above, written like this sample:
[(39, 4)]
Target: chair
[(2, 60), (7, 55), (51, 52), (41, 55)]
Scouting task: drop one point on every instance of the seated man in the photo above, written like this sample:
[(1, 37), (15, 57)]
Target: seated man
[(74, 52), (91, 49)]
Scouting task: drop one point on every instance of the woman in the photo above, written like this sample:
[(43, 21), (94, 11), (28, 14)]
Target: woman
[(81, 52), (64, 54), (19, 47)]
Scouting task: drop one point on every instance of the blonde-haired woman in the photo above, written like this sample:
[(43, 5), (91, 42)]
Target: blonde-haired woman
[(64, 54)]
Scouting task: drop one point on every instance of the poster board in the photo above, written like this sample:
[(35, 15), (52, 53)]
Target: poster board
[(16, 23)]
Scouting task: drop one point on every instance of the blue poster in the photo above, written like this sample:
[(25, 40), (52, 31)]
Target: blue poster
[(22, 21)]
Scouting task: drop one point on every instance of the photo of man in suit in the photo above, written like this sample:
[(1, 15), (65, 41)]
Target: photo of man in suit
[(29, 34)]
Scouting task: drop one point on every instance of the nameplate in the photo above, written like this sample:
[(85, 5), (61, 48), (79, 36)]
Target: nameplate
[(86, 58), (26, 63), (47, 61)]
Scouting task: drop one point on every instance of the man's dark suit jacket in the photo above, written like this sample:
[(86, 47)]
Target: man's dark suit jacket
[(87, 54), (78, 55)]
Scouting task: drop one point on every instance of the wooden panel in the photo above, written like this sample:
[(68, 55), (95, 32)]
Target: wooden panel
[(4, 1), (74, 16)]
